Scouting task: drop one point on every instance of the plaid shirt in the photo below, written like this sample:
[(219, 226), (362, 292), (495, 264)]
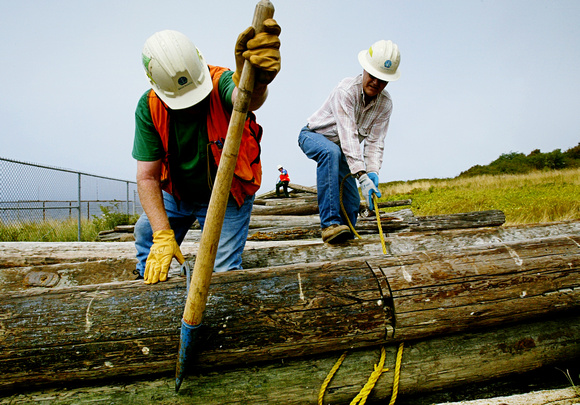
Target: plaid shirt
[(346, 121)]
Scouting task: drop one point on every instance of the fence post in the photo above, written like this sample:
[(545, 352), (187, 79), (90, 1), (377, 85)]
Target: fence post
[(134, 202), (79, 206), (127, 209)]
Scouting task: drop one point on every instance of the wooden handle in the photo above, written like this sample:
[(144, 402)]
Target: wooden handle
[(205, 260)]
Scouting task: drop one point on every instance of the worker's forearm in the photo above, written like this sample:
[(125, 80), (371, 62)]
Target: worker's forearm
[(259, 96), (151, 199)]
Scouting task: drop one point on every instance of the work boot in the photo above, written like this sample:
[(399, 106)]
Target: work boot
[(336, 233)]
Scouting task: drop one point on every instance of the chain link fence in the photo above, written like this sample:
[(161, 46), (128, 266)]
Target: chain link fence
[(32, 195)]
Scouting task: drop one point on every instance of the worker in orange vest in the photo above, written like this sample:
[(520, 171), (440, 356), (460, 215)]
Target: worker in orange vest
[(181, 123), (283, 181)]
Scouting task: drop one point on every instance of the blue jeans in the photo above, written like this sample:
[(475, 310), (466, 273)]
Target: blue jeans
[(183, 215), (330, 171)]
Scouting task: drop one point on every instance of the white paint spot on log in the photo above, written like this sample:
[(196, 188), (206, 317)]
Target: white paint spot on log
[(523, 294), (577, 244), (108, 364), (380, 303), (300, 287), (145, 350), (88, 322), (515, 256), (406, 275)]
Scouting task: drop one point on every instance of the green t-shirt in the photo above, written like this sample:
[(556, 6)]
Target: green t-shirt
[(189, 162)]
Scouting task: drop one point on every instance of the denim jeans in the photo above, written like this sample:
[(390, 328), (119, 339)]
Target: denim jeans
[(181, 216), (331, 169)]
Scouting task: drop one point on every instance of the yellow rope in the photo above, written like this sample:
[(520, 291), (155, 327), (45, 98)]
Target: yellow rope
[(362, 396), (397, 374), (376, 203), (329, 377), (344, 210)]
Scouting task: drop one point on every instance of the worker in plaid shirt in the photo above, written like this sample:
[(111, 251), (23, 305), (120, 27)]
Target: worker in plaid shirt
[(356, 112)]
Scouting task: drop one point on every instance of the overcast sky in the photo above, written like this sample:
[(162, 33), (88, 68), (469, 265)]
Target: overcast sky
[(479, 77)]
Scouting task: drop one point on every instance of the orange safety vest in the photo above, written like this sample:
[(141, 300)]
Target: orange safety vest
[(284, 177), (248, 171)]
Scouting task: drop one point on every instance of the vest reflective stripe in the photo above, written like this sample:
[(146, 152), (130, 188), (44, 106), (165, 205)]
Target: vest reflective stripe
[(248, 172), (160, 118)]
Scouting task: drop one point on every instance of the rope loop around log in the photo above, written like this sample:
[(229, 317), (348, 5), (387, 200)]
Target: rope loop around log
[(329, 377), (379, 369)]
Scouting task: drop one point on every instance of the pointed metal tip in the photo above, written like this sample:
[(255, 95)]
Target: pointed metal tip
[(178, 382)]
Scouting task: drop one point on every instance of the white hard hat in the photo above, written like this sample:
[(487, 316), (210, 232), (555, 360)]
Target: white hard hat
[(176, 69), (382, 60), (279, 167)]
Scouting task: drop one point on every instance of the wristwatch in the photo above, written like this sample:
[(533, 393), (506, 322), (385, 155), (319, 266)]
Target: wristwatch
[(358, 174)]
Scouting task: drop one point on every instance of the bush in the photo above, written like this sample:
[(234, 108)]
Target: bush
[(518, 163), (110, 218)]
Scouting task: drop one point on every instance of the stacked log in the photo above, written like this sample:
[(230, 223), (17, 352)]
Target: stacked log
[(127, 329), (428, 366)]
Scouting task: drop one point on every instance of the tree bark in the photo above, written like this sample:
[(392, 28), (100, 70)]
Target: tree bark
[(129, 328), (391, 223), (289, 208), (429, 365)]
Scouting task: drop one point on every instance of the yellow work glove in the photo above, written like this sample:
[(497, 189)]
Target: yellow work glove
[(262, 51), (164, 249)]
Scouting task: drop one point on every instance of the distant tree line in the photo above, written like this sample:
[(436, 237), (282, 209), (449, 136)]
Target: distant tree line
[(516, 163)]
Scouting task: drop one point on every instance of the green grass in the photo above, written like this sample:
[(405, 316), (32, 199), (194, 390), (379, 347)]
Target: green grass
[(64, 230), (541, 196)]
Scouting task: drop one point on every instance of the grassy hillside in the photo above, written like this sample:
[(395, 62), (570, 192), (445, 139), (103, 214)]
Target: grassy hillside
[(538, 196)]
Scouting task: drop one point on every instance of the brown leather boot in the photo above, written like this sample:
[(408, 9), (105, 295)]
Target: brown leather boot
[(336, 233)]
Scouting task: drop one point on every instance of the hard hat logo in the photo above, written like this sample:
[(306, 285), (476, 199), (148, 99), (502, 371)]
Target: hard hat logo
[(382, 60), (176, 69), (145, 59)]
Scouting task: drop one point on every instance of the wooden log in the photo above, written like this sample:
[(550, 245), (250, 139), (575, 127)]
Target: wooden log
[(477, 219), (364, 210), (129, 328), (392, 224), (284, 221), (303, 197), (285, 206), (290, 208), (295, 188), (440, 364), (95, 263), (255, 256), (445, 292)]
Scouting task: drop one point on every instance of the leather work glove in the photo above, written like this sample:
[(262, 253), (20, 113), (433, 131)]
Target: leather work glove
[(262, 51), (368, 187), (164, 249)]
